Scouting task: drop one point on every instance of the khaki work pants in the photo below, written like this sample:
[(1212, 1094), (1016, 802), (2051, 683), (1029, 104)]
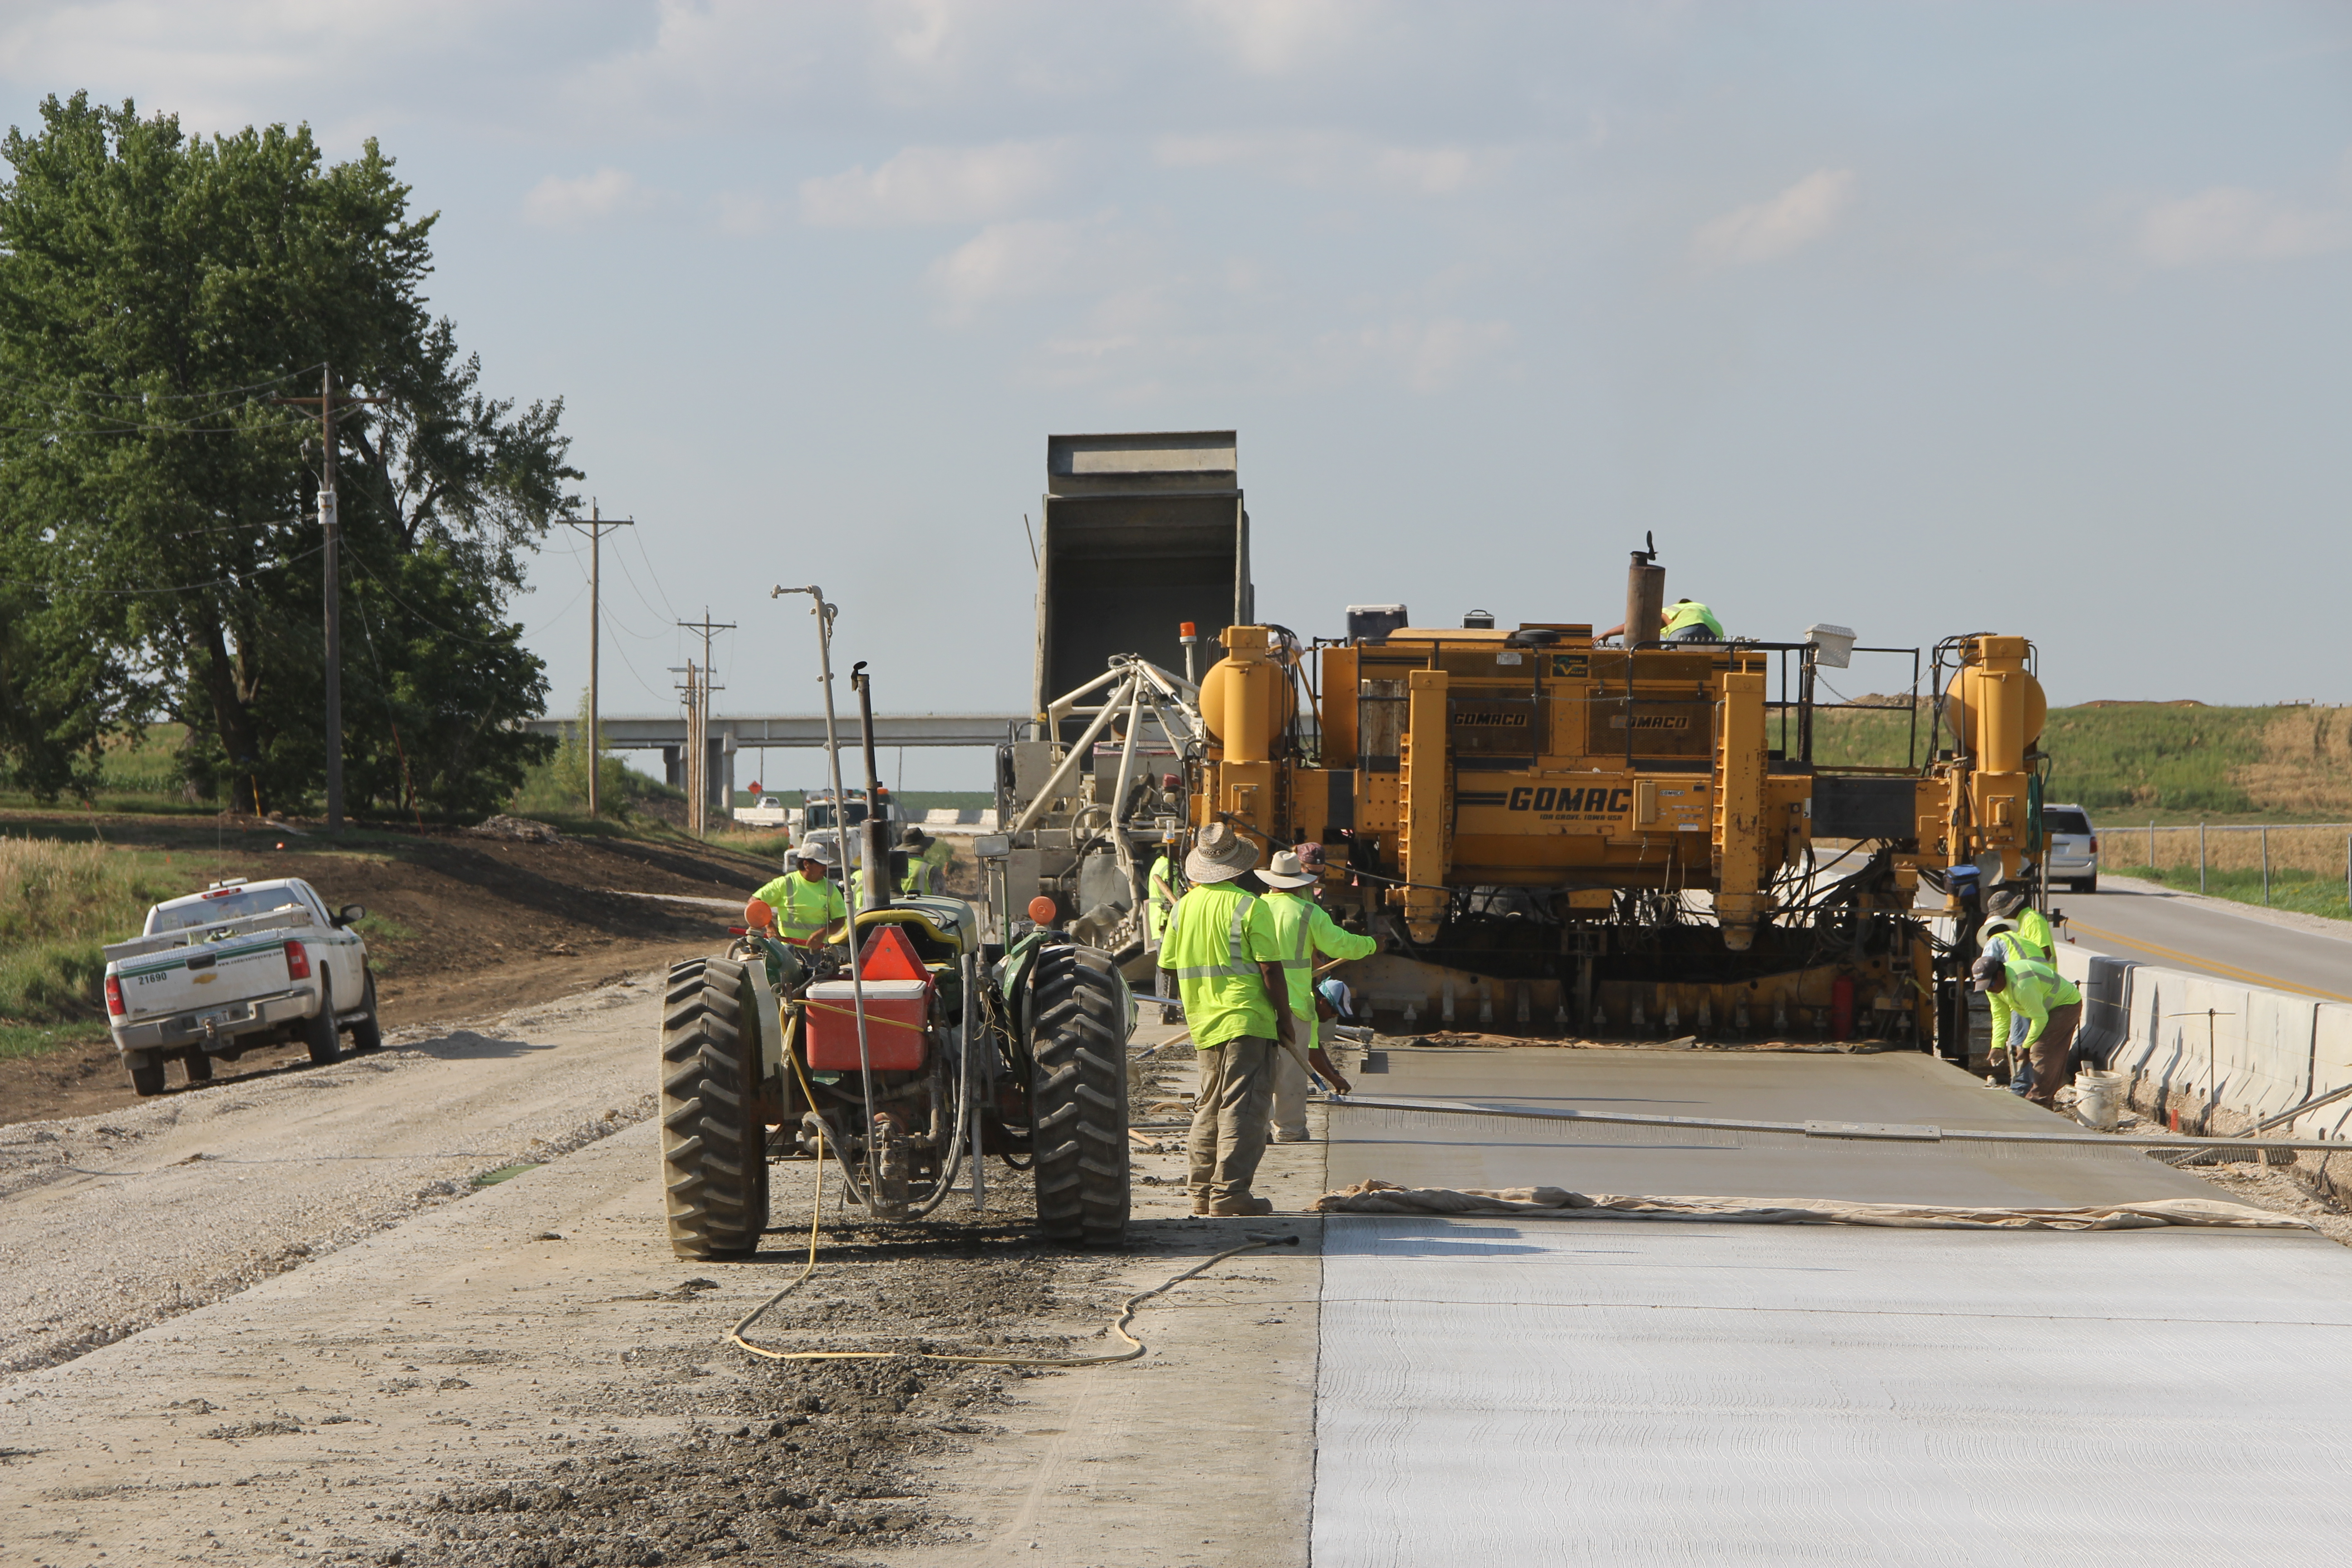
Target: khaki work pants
[(1229, 1118), (2050, 1053), (1290, 1096)]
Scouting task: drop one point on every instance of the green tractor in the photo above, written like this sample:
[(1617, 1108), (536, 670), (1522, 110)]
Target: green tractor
[(937, 1054)]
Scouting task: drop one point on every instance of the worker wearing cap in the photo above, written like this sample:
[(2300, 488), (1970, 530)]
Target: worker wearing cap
[(803, 903), (1305, 930), (2052, 1009), (1225, 959), (2017, 930)]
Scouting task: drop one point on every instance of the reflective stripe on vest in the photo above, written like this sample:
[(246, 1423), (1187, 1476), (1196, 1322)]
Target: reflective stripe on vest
[(1240, 964)]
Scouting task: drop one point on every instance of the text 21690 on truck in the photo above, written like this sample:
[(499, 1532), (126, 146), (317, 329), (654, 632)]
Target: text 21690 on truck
[(239, 965)]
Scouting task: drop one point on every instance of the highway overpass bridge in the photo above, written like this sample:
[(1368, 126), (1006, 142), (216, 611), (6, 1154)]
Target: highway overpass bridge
[(728, 736)]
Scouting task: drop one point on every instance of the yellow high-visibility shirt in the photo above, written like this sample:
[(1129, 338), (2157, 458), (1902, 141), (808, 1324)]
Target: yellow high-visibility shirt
[(1217, 936), (1305, 928), (803, 908)]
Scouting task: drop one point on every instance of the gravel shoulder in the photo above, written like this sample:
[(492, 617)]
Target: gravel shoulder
[(383, 1374)]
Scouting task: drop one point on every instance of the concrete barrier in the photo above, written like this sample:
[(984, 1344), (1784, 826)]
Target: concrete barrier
[(2221, 1056)]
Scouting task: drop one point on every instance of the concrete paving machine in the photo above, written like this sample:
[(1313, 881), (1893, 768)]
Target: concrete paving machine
[(1555, 833)]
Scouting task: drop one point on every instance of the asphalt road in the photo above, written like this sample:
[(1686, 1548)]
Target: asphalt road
[(2155, 926)]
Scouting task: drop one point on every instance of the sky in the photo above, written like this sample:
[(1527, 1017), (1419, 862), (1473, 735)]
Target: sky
[(1922, 319)]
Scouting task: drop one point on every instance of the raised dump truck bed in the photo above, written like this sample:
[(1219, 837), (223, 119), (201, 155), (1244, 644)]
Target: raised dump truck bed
[(1142, 532)]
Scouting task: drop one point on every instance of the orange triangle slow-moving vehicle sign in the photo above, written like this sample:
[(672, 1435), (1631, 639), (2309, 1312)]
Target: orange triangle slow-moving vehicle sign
[(889, 955)]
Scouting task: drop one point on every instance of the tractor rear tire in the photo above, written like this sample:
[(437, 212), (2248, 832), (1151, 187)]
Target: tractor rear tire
[(1079, 1040), (714, 1147)]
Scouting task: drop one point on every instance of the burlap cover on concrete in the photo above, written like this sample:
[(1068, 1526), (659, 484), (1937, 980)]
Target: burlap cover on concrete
[(1558, 1203)]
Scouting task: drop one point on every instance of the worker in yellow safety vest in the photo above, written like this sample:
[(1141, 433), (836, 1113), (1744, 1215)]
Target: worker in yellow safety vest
[(2052, 1009), (1688, 620), (1222, 952), (2017, 930), (802, 904), (1685, 620), (1304, 929), (928, 860)]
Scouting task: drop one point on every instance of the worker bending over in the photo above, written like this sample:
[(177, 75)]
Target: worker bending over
[(1226, 958), (2016, 929), (802, 904), (1686, 620), (2053, 1010), (1304, 928)]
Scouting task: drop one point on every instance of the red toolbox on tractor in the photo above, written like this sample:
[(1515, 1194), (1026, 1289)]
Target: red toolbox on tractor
[(898, 1007)]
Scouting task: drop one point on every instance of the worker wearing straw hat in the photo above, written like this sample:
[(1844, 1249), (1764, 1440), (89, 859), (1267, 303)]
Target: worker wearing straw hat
[(1225, 957), (1305, 930)]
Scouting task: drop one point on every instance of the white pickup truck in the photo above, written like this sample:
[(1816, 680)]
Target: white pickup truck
[(238, 965)]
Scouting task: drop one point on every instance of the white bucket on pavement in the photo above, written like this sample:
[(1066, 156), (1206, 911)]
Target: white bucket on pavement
[(2098, 1095)]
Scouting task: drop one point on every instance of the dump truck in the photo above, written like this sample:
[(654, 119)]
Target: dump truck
[(1143, 561)]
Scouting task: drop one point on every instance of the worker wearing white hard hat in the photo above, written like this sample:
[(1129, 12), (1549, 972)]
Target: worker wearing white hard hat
[(802, 904)]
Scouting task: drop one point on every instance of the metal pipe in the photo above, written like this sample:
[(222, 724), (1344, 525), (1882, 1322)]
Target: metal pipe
[(825, 614), (1126, 777), (1060, 706), (874, 886), (1864, 1131), (1645, 596), (2266, 865), (1070, 766)]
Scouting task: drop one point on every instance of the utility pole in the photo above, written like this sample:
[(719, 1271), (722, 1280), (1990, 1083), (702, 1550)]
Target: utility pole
[(331, 524), (596, 526), (700, 732)]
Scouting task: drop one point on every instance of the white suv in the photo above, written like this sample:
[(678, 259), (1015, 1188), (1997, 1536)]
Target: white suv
[(2074, 852)]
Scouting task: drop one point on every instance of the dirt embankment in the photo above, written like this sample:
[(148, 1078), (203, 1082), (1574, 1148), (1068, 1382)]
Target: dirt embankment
[(458, 926)]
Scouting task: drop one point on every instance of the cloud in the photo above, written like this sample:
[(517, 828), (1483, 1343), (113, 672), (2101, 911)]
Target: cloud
[(1325, 160), (1013, 260), (2227, 223), (1275, 37), (557, 203), (938, 185), (1429, 355), (1770, 230)]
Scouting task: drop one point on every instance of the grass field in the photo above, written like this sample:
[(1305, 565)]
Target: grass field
[(60, 904), (2310, 893), (2138, 762)]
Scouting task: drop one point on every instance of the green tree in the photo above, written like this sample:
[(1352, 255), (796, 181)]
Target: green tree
[(157, 291)]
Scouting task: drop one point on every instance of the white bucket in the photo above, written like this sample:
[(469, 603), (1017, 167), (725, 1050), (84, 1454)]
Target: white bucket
[(2097, 1097)]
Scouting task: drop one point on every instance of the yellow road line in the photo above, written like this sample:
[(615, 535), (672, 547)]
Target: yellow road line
[(2228, 971)]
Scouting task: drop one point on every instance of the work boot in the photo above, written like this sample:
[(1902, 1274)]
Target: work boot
[(1241, 1207), (1200, 1205)]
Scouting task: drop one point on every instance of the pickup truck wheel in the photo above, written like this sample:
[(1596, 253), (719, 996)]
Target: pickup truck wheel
[(147, 1078), (319, 1030), (198, 1063), (1079, 1040), (367, 1035), (714, 1147)]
